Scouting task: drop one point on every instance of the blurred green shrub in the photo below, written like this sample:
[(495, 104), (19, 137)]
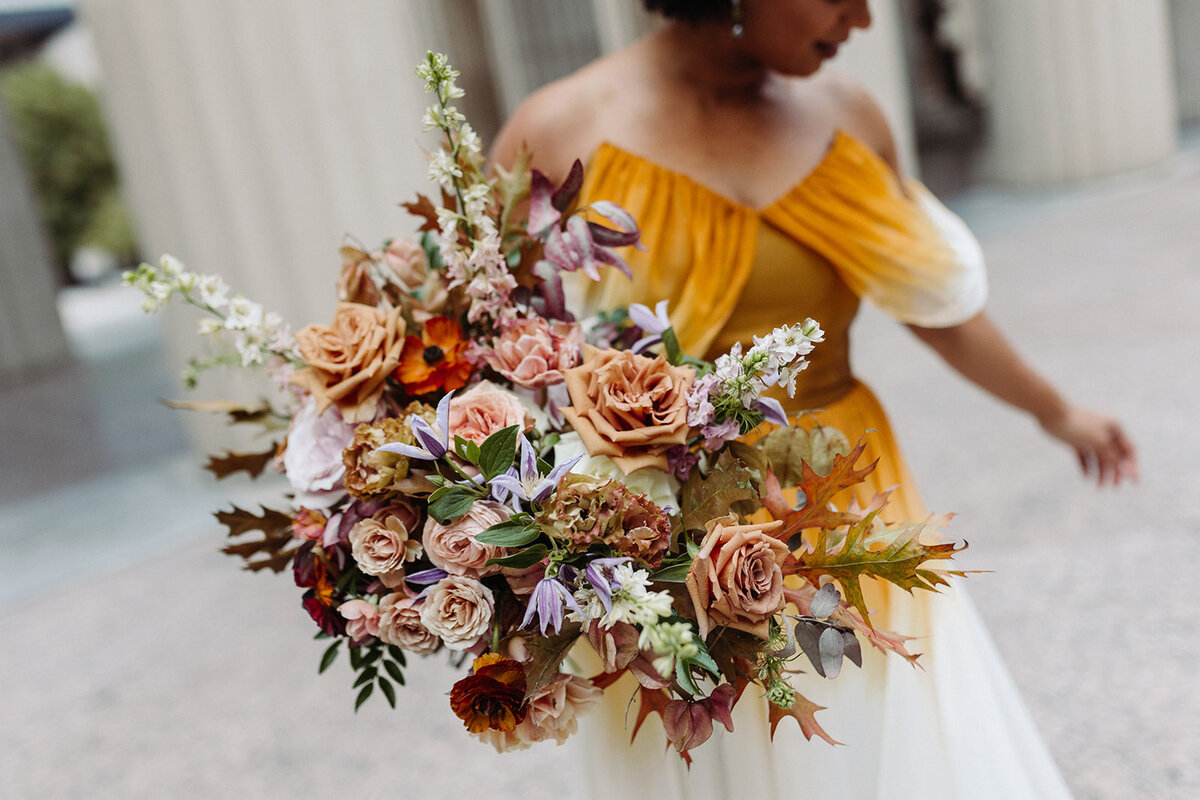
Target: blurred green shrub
[(59, 130)]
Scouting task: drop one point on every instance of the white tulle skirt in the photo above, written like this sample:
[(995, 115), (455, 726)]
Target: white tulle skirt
[(955, 729)]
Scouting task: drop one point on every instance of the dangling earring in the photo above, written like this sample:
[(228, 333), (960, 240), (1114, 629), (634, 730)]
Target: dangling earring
[(736, 15)]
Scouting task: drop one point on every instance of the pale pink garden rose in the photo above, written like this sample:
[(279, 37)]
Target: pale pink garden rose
[(484, 409), (737, 579), (400, 624), (362, 619), (382, 546), (406, 260), (554, 714), (459, 610), (312, 459), (453, 547), (533, 352)]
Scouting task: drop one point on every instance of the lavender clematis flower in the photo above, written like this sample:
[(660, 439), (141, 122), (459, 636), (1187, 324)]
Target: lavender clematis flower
[(715, 436), (548, 601), (529, 484), (599, 574), (770, 408), (577, 249), (430, 445), (653, 323)]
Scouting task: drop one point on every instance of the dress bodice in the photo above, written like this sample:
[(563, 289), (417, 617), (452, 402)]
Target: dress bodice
[(849, 229)]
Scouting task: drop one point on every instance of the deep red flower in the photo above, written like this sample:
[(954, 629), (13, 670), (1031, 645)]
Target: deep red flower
[(492, 697)]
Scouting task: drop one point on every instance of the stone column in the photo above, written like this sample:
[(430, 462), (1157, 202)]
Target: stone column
[(1079, 88), (30, 332)]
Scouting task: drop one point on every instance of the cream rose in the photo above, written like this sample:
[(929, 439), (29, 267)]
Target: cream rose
[(458, 609), (400, 624), (382, 547), (736, 579), (628, 407), (484, 409), (349, 359), (453, 547)]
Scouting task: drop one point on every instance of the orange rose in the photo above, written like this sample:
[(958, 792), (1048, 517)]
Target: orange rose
[(349, 359), (628, 407), (736, 579)]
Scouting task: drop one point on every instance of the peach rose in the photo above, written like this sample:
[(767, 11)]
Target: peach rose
[(458, 609), (484, 409), (400, 624), (406, 260), (736, 579), (533, 352), (628, 407), (381, 548), (453, 547), (554, 713), (349, 359), (362, 619)]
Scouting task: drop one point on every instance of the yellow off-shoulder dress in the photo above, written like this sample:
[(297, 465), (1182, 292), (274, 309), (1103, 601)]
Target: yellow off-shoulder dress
[(954, 729)]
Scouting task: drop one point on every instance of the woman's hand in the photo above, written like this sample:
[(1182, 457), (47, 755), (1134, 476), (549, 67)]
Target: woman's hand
[(1103, 449)]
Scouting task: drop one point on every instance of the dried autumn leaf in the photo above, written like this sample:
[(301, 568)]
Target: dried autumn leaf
[(819, 491), (729, 484), (546, 655), (273, 547), (804, 712), (891, 552), (424, 209), (654, 701), (260, 413), (252, 463)]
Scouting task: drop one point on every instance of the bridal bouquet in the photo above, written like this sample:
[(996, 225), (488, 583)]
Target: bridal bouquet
[(480, 475)]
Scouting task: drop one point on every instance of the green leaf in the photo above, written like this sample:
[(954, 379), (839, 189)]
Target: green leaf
[(671, 344), (372, 656), (396, 653), (525, 558), (393, 669), (508, 534), (497, 452), (453, 504), (683, 674), (330, 654), (355, 658), (677, 573), (366, 676), (363, 695), (386, 687)]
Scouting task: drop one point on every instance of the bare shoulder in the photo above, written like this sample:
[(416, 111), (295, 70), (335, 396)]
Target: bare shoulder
[(856, 111), (561, 121)]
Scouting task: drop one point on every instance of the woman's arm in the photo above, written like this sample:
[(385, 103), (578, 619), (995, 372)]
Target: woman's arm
[(980, 353)]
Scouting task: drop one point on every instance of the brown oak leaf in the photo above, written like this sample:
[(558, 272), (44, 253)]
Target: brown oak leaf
[(804, 712), (272, 550), (250, 463)]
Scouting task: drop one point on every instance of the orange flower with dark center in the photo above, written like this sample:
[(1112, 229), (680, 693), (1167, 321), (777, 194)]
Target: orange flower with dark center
[(436, 360), (492, 697)]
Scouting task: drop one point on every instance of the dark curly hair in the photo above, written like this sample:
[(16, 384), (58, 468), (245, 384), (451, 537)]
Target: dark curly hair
[(690, 10)]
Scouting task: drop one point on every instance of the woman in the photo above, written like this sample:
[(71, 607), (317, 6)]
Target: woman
[(767, 192)]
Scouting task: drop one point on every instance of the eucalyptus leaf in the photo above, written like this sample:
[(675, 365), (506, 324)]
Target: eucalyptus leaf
[(852, 647), (808, 636), (497, 452), (825, 601), (833, 648)]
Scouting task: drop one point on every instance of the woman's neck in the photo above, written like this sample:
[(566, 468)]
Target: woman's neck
[(707, 60)]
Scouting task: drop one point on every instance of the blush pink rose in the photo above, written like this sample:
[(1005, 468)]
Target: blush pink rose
[(533, 352), (362, 619), (484, 409), (382, 546), (312, 459), (554, 713), (400, 624), (406, 259), (453, 547), (459, 610), (737, 579)]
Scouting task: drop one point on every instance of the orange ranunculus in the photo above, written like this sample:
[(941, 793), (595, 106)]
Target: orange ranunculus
[(436, 360), (493, 697)]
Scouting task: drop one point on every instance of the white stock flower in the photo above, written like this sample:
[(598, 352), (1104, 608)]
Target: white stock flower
[(443, 171)]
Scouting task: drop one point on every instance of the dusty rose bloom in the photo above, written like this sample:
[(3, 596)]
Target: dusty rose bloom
[(453, 547), (628, 407), (355, 284), (349, 359), (484, 409), (400, 624), (554, 713), (736, 579), (585, 510), (309, 524), (380, 547), (312, 458), (370, 473), (362, 619), (406, 260), (533, 352), (458, 609)]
